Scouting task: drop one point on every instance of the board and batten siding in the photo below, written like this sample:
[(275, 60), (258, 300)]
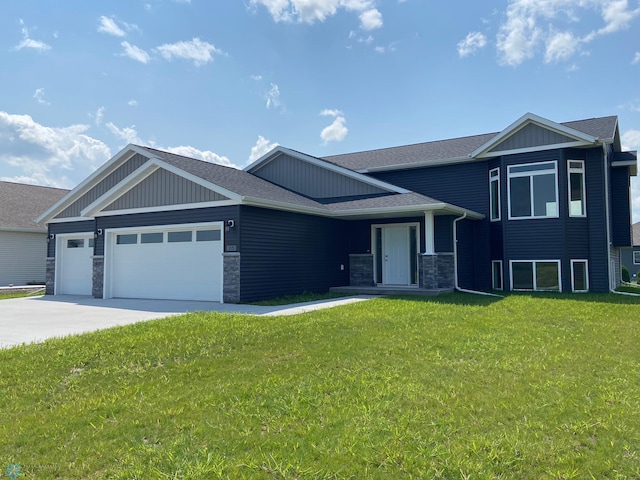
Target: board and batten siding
[(311, 180), (103, 186), (530, 136), (284, 253), (22, 257), (164, 188)]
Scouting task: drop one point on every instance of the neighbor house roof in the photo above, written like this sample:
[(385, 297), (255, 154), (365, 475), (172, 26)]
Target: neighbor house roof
[(20, 205), (456, 149), (635, 230)]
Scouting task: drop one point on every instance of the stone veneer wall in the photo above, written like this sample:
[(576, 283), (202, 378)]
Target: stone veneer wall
[(231, 278), (446, 270), (361, 270), (50, 279), (97, 288), (428, 271)]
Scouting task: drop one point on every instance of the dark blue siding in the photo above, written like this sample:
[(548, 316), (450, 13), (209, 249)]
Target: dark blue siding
[(286, 253), (443, 225), (68, 227), (620, 207), (597, 225)]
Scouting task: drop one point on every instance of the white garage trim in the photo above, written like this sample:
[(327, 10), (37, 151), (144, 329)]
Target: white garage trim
[(159, 257), (74, 267)]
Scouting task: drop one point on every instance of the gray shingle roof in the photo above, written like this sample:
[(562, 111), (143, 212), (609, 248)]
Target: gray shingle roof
[(452, 149), (636, 233), (21, 204)]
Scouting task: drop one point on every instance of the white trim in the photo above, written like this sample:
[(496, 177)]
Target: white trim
[(586, 274), (538, 148), (493, 263), (167, 208), (582, 171), (633, 257), (530, 175), (427, 163), (273, 154), (533, 262), (374, 249), (522, 122), (109, 244), (60, 242), (610, 269), (429, 233), (69, 219), (491, 202)]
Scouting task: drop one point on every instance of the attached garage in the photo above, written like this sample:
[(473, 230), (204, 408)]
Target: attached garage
[(74, 265), (179, 262)]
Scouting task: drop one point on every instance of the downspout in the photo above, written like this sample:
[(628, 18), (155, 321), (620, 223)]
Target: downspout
[(455, 262)]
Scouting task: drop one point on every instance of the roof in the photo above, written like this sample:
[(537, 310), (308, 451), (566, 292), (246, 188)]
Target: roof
[(455, 149), (21, 204), (635, 228)]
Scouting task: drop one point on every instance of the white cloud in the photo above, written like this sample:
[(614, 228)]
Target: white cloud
[(39, 96), (273, 96), (135, 53), (206, 155), (28, 42), (636, 58), (109, 26), (99, 116), (48, 155), (132, 103), (261, 147), (128, 134), (310, 11), (473, 42), (196, 50), (337, 131), (534, 26), (371, 19), (631, 140)]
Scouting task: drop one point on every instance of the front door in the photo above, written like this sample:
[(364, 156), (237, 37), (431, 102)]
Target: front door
[(395, 267)]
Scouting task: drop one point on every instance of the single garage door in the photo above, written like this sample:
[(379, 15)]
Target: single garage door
[(180, 263), (74, 266)]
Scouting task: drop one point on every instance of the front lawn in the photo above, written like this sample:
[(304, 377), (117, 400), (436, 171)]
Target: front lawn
[(453, 387), (5, 295)]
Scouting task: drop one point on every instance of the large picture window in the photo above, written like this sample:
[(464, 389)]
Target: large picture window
[(533, 190), (494, 194), (535, 275), (576, 188)]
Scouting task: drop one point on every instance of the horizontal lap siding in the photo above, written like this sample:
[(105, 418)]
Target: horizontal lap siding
[(620, 207), (68, 227), (287, 253), (22, 257), (596, 218)]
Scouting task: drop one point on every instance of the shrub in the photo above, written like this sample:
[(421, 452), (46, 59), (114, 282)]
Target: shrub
[(625, 274)]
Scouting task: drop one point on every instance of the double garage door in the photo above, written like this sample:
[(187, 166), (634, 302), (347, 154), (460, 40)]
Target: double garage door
[(179, 262)]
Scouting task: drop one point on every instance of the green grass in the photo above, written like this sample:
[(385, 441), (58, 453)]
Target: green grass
[(450, 387), (7, 295), (300, 298)]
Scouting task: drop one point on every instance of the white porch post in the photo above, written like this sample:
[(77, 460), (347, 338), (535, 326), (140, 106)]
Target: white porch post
[(429, 231)]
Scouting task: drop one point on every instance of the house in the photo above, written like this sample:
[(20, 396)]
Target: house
[(630, 257), (538, 206), (23, 243)]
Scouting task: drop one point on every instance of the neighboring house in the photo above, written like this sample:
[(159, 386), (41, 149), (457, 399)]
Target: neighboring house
[(630, 257), (23, 243), (538, 206)]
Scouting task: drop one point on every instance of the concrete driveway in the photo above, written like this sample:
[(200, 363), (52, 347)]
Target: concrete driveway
[(34, 319)]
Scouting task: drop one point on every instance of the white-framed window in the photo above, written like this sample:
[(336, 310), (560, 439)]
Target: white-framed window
[(535, 275), (533, 190), (636, 257), (579, 275), (494, 194), (577, 195), (496, 275)]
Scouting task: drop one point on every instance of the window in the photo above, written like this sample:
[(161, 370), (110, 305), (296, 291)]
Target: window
[(496, 275), (579, 276), (535, 275), (75, 243), (494, 194), (207, 235), (127, 239), (533, 191), (185, 236), (636, 257), (156, 237), (91, 242), (576, 188)]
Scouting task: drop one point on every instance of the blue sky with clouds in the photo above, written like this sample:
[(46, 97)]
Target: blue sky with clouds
[(227, 80)]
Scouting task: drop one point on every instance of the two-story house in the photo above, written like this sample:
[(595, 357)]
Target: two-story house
[(538, 206)]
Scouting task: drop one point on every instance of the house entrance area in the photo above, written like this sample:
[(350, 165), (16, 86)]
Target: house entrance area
[(395, 254)]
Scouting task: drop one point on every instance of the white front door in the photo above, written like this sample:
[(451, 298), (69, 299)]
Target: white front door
[(74, 265), (395, 255)]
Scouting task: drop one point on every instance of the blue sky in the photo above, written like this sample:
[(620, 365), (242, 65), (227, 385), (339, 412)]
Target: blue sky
[(227, 80)]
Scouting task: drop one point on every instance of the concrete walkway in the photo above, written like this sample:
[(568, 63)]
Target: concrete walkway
[(34, 319)]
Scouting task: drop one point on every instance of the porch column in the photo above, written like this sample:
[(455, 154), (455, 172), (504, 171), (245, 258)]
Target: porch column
[(429, 231)]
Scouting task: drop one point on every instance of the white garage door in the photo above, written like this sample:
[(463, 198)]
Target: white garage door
[(180, 263), (74, 266)]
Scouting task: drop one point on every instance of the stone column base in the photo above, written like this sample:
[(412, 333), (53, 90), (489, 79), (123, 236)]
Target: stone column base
[(231, 277), (97, 289)]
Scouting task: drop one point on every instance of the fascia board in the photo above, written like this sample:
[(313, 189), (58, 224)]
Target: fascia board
[(409, 166), (69, 219), (327, 166), (119, 158), (525, 120), (167, 208), (534, 149)]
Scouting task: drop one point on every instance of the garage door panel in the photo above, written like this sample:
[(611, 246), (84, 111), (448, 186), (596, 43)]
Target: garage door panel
[(169, 270)]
